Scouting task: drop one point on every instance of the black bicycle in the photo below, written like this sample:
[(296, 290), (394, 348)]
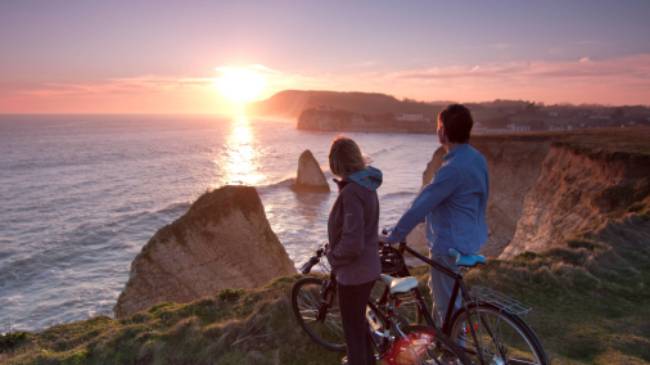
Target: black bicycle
[(488, 324), (396, 341), (488, 327)]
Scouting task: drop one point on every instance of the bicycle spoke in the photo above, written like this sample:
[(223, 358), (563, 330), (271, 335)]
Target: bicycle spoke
[(499, 339), (321, 321)]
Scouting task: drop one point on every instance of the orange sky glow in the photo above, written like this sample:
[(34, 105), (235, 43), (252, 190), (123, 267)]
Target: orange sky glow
[(213, 57), (612, 81)]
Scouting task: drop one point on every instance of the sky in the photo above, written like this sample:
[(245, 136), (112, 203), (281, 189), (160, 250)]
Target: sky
[(73, 56)]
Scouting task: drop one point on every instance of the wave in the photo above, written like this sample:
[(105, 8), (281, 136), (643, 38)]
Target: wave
[(399, 195), (284, 183), (386, 150), (173, 208)]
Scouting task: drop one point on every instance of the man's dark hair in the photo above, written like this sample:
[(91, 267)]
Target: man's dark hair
[(458, 123)]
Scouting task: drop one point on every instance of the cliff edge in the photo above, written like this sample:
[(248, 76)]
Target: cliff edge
[(223, 241)]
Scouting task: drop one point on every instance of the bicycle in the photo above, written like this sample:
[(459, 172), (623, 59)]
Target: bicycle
[(477, 325), (395, 340)]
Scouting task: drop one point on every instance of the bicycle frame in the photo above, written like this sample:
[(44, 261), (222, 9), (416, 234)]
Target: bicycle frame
[(458, 289)]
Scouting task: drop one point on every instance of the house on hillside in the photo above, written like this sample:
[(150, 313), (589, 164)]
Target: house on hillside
[(515, 127), (410, 117)]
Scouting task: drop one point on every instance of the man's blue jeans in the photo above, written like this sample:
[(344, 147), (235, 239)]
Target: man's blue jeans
[(441, 286)]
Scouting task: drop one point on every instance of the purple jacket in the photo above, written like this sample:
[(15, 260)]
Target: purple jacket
[(353, 229)]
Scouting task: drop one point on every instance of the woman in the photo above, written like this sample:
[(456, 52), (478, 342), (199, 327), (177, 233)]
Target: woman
[(352, 252)]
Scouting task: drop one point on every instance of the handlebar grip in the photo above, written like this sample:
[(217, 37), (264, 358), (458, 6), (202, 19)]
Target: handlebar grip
[(306, 268)]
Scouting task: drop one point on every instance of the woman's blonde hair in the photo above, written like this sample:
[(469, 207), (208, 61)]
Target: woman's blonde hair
[(345, 157)]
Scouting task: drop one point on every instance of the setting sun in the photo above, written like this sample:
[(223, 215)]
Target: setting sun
[(240, 85)]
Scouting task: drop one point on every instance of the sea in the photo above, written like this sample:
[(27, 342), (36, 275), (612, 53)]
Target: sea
[(80, 195)]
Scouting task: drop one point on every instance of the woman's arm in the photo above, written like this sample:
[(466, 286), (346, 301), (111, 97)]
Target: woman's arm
[(351, 243)]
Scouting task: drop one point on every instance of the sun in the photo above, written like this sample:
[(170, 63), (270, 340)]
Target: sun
[(240, 85)]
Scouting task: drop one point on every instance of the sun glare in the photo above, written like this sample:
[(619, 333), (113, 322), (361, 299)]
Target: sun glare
[(240, 85)]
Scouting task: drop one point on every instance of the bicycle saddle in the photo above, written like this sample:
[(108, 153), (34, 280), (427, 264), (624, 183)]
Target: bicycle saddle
[(466, 260), (399, 285)]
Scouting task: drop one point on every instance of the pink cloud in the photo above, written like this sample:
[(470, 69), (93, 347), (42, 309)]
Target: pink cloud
[(116, 86), (627, 67)]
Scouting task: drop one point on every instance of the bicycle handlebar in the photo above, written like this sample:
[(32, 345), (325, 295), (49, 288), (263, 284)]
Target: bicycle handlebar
[(307, 266)]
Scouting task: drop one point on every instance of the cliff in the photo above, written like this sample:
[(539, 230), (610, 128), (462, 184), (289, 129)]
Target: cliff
[(342, 120), (548, 188), (223, 241)]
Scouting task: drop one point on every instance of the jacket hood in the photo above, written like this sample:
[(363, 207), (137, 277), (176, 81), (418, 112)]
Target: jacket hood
[(370, 178)]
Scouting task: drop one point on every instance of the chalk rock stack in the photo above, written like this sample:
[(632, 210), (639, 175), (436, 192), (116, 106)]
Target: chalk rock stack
[(310, 176), (223, 241)]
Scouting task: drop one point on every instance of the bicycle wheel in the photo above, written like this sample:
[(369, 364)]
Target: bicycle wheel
[(502, 337), (307, 302), (425, 345)]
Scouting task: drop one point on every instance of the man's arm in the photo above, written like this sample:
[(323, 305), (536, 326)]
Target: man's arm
[(442, 186), (351, 243)]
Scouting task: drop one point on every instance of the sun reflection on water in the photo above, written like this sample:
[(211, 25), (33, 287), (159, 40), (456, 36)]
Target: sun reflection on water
[(240, 163)]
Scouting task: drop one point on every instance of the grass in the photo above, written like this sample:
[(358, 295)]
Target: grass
[(618, 143), (590, 299)]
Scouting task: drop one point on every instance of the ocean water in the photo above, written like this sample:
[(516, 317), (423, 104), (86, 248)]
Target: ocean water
[(81, 195)]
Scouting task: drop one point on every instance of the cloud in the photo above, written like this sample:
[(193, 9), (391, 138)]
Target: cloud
[(632, 67), (129, 85)]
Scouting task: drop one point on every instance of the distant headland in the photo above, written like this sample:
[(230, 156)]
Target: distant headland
[(376, 112)]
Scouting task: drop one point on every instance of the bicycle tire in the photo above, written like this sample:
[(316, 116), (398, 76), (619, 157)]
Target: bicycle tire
[(305, 300), (459, 335)]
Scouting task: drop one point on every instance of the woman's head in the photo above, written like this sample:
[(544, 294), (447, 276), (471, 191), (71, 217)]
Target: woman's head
[(345, 157)]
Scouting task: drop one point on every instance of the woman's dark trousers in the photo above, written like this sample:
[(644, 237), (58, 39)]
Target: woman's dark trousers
[(353, 300)]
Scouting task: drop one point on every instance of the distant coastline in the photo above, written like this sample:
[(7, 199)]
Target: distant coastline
[(341, 120), (375, 112)]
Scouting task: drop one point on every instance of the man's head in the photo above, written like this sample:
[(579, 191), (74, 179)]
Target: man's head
[(454, 125)]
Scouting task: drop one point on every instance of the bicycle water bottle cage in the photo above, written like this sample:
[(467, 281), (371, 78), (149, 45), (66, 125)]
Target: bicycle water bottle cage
[(466, 260), (400, 285)]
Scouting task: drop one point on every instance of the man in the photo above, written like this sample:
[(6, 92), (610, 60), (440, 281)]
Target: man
[(453, 204)]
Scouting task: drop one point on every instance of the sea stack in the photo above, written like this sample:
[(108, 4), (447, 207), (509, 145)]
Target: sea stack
[(310, 176), (223, 241)]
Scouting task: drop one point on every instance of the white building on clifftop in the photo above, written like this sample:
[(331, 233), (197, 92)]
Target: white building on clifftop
[(410, 117)]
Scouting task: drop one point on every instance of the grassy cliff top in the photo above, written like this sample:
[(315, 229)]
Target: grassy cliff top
[(625, 141)]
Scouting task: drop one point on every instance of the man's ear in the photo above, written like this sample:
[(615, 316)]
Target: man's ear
[(442, 134)]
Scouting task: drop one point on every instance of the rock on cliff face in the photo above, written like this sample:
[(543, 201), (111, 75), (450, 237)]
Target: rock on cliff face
[(310, 177), (223, 241), (546, 189), (579, 192)]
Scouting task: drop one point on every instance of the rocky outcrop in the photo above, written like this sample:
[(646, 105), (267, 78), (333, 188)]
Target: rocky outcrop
[(310, 177), (223, 241), (547, 188), (578, 192)]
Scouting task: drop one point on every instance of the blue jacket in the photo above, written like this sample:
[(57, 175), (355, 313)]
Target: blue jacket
[(453, 204), (353, 229)]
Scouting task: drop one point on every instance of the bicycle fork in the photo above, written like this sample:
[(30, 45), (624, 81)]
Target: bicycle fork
[(327, 295)]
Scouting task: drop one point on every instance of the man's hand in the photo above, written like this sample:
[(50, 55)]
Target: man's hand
[(383, 237)]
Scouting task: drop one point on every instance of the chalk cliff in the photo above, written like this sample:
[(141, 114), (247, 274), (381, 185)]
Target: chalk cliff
[(546, 189), (223, 241), (310, 177)]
